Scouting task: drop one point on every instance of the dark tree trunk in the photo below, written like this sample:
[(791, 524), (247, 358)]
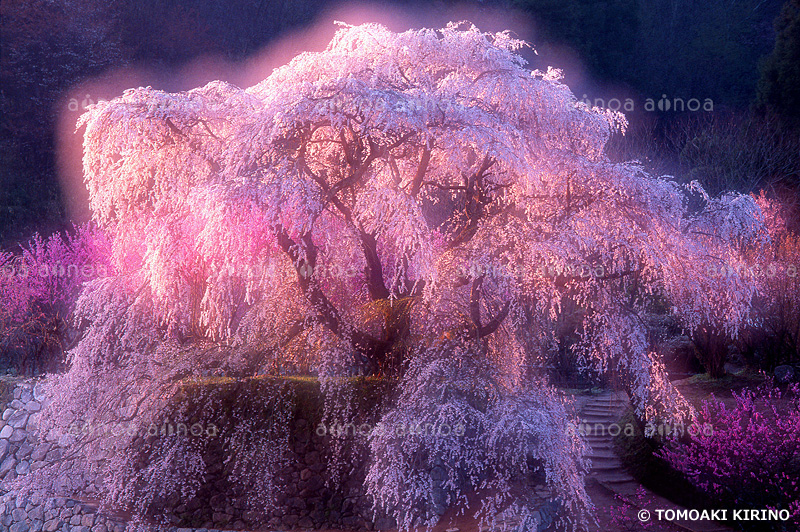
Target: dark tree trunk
[(712, 347)]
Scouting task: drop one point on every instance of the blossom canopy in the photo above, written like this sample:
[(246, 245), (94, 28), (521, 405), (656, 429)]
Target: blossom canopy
[(416, 204)]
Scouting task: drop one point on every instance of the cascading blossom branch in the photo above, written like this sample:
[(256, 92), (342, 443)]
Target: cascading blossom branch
[(394, 203)]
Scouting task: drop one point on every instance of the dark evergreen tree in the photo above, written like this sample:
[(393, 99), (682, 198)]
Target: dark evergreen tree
[(779, 87)]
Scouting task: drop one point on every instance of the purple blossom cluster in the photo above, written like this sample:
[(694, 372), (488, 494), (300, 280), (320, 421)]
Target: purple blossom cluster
[(752, 458), (41, 284), (621, 515)]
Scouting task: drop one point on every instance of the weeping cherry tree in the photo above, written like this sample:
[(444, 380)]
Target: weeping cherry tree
[(416, 206)]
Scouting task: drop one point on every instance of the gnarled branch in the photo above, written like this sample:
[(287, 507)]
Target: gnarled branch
[(475, 311)]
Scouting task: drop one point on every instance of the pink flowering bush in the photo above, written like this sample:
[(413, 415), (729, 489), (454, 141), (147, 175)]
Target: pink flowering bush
[(752, 458), (774, 337), (38, 290), (622, 515)]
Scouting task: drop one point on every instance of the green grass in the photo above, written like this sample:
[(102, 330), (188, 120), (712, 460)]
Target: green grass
[(699, 387), (587, 390)]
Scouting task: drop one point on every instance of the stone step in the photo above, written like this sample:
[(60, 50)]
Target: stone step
[(605, 460), (604, 469), (602, 454), (602, 416), (604, 430), (591, 417), (618, 477), (606, 464), (605, 403), (600, 449), (602, 409), (599, 441), (607, 470)]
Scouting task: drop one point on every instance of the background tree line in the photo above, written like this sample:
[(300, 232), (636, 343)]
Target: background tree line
[(742, 54)]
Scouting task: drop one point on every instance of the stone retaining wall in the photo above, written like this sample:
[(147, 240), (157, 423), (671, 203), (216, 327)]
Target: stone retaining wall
[(304, 502), (21, 451)]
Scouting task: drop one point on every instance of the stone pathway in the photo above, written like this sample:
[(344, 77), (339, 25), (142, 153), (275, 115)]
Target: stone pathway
[(600, 415)]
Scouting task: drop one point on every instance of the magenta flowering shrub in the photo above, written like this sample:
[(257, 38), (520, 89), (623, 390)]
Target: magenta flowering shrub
[(38, 291), (622, 515), (752, 458)]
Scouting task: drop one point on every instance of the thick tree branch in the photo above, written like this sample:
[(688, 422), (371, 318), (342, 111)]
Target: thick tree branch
[(360, 169), (475, 302), (475, 311), (304, 266), (173, 127), (327, 314), (421, 170), (495, 322), (475, 201), (374, 270)]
